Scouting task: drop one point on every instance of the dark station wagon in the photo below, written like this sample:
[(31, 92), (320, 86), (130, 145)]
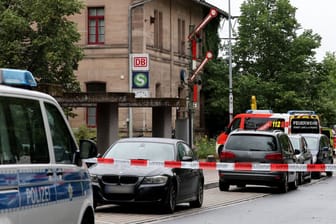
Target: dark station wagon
[(258, 147)]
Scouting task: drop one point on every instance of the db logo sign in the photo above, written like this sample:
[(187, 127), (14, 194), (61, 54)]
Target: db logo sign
[(140, 80), (140, 62)]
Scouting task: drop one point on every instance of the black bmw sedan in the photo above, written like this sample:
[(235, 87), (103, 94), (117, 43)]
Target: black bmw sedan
[(122, 183)]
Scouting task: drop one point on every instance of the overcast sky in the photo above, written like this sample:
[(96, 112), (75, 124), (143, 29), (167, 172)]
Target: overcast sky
[(318, 15)]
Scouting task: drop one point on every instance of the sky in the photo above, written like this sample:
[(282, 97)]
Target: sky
[(318, 15)]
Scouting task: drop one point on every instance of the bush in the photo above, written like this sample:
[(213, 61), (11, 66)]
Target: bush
[(205, 146), (83, 132)]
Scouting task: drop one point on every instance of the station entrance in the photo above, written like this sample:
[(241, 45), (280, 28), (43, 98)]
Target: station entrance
[(107, 105)]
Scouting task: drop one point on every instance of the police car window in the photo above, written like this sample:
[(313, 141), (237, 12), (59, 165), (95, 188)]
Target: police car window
[(22, 136), (63, 144)]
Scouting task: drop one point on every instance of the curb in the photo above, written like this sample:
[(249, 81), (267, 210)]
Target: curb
[(210, 185)]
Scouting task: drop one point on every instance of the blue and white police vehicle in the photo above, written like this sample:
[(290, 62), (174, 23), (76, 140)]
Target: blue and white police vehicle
[(42, 179)]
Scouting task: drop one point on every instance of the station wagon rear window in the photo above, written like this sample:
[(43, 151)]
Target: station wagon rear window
[(248, 142)]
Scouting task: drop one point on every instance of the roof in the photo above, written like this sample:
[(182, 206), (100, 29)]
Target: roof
[(312, 135), (255, 132), (151, 139), (122, 99), (14, 91)]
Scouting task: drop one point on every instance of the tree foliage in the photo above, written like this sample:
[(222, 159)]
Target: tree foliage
[(275, 63), (269, 48), (36, 35), (327, 93)]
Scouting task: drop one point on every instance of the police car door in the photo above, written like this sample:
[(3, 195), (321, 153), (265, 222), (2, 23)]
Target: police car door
[(26, 176), (72, 183)]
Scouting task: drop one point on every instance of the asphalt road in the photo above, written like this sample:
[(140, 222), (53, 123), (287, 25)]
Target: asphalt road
[(247, 204), (310, 204)]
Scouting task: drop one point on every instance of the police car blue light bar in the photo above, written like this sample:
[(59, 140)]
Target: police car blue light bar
[(17, 77)]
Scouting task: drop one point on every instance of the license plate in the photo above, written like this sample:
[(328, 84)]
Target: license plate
[(119, 189)]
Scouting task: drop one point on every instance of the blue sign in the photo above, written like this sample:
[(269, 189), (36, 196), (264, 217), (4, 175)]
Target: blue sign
[(140, 80)]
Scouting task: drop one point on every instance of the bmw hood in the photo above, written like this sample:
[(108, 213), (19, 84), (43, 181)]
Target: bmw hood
[(122, 169)]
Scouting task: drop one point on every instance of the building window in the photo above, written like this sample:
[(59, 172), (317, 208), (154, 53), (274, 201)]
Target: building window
[(96, 26), (181, 36), (158, 90), (91, 119), (158, 30), (91, 113)]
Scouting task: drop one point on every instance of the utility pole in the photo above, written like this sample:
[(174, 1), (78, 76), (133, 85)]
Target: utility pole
[(230, 67)]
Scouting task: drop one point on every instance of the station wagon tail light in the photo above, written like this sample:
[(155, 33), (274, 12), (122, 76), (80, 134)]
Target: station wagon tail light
[(17, 78), (274, 156), (227, 155)]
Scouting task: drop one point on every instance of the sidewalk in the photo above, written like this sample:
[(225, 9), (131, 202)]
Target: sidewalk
[(211, 179)]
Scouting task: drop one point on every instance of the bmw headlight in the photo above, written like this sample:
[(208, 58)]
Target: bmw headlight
[(155, 180), (94, 178)]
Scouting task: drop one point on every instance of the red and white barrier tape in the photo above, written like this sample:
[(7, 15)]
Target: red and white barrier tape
[(222, 166)]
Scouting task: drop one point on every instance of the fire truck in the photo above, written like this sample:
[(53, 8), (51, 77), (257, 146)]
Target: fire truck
[(292, 122)]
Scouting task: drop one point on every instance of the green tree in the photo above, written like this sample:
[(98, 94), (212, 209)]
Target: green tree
[(215, 91), (269, 48), (327, 93), (273, 62), (36, 35)]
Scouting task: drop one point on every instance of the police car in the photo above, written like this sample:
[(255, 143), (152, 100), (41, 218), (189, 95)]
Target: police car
[(42, 179)]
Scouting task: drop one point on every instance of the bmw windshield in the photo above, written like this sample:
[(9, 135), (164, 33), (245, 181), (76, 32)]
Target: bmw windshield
[(141, 150)]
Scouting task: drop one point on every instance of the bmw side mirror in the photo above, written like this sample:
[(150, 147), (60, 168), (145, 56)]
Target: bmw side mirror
[(296, 152), (88, 149), (187, 159)]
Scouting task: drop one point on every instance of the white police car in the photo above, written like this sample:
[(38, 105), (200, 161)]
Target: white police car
[(41, 177)]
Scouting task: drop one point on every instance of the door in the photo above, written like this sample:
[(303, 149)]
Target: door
[(187, 177), (72, 183), (288, 154), (26, 176)]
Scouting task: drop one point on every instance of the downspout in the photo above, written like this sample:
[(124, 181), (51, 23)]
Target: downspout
[(130, 42), (171, 51)]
